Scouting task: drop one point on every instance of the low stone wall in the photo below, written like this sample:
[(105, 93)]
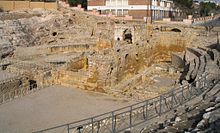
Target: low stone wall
[(8, 86), (16, 5), (205, 19)]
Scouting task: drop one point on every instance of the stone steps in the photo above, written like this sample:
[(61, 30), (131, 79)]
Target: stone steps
[(201, 60)]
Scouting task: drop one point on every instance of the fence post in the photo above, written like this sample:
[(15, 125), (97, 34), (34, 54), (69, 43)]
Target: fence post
[(16, 93), (190, 93), (68, 128), (182, 95), (144, 112), (172, 99), (9, 96), (160, 110), (205, 81), (92, 125), (146, 116), (113, 123), (3, 98), (130, 117)]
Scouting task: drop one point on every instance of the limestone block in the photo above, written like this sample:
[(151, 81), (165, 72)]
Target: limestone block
[(177, 60), (191, 54), (192, 66), (195, 71), (216, 54), (202, 66)]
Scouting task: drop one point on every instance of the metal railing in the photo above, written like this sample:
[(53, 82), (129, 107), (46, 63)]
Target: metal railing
[(127, 117)]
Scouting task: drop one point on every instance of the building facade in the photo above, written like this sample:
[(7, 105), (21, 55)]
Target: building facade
[(138, 9)]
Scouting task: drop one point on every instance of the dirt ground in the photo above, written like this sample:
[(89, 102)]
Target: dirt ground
[(53, 106)]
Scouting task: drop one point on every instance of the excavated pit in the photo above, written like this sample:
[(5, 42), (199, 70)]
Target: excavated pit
[(92, 53)]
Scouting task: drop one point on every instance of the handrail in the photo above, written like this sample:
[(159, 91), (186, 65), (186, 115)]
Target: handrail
[(157, 104)]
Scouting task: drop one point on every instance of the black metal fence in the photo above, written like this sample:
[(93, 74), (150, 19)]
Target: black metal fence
[(124, 118)]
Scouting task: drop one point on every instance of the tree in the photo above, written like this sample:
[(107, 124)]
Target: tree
[(76, 2), (184, 5), (206, 8)]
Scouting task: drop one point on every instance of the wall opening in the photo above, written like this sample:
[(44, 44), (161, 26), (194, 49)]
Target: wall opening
[(176, 30), (54, 33), (32, 84), (127, 36)]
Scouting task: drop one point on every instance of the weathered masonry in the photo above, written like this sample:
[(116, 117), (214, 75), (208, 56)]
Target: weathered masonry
[(138, 9), (31, 4)]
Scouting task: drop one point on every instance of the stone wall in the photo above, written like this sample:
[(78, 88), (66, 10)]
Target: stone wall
[(42, 75), (8, 83), (16, 5)]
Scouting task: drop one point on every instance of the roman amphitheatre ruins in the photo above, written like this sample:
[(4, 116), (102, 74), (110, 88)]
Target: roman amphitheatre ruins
[(61, 66)]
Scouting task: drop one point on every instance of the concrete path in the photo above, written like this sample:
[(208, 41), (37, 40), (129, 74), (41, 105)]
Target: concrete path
[(53, 106)]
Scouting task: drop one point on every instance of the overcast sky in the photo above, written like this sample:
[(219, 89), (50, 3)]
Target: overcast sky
[(211, 0)]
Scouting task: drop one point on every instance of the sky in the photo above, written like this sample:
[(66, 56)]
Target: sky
[(218, 1)]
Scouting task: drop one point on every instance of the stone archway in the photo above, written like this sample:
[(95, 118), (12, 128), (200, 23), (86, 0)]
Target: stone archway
[(176, 30)]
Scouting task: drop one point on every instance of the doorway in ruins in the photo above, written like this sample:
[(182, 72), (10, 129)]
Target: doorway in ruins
[(32, 84), (127, 36)]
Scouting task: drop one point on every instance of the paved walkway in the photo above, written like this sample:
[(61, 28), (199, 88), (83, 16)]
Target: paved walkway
[(53, 106)]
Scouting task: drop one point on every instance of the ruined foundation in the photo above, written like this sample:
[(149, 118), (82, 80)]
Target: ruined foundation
[(124, 59)]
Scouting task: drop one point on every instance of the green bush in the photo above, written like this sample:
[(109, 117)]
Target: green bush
[(185, 5), (206, 8)]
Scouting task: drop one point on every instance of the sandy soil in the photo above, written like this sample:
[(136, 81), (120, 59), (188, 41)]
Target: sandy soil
[(53, 106)]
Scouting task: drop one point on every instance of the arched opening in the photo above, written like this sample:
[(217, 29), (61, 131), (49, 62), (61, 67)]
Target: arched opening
[(54, 33), (127, 36), (156, 28), (176, 30), (32, 84)]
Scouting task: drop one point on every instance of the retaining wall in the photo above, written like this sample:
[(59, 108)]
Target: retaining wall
[(16, 5)]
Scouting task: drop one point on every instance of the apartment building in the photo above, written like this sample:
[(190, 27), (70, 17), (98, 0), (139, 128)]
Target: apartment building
[(138, 9)]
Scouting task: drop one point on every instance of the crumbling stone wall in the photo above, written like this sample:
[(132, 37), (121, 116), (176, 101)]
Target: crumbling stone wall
[(43, 76), (8, 85), (110, 52)]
